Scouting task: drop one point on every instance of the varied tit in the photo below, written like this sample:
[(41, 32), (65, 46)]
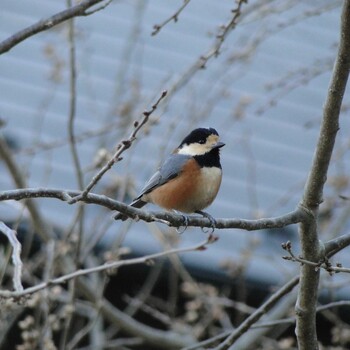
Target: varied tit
[(189, 179)]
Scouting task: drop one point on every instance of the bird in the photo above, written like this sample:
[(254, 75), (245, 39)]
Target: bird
[(189, 178)]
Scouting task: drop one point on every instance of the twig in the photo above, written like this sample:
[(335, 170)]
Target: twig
[(16, 256), (174, 17), (74, 11), (71, 131), (255, 316), (73, 102), (228, 27), (288, 321), (288, 247), (123, 146), (18, 177), (155, 338), (213, 51), (338, 268), (103, 6), (323, 263), (78, 171), (107, 266), (168, 218)]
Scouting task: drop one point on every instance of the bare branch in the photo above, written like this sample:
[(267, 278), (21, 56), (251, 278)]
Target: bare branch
[(213, 51), (73, 104), (74, 11), (107, 266), (255, 316), (155, 337), (71, 128), (330, 248), (16, 256), (170, 219), (174, 17), (313, 193), (337, 244), (123, 146), (288, 247), (228, 27), (19, 179)]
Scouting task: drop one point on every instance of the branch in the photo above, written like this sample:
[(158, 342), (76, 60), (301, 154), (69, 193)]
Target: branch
[(337, 244), (255, 316), (213, 51), (324, 263), (313, 193), (16, 256), (228, 27), (73, 104), (174, 17), (266, 324), (156, 338), (122, 147), (74, 11), (39, 224), (107, 266), (170, 219)]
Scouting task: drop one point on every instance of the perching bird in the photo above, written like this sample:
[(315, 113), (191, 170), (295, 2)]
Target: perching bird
[(189, 179)]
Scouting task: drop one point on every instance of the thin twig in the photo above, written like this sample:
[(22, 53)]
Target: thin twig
[(255, 316), (123, 146), (268, 324), (42, 229), (324, 262), (71, 132), (16, 256), (174, 17), (288, 248), (107, 266), (77, 166), (228, 27)]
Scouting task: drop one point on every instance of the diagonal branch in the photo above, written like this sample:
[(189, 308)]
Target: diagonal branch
[(174, 17), (20, 292), (256, 315), (47, 23), (122, 147), (337, 244)]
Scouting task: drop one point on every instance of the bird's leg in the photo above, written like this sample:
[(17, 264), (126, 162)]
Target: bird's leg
[(209, 217)]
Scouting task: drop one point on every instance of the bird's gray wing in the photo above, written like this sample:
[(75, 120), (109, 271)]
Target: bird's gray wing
[(167, 171)]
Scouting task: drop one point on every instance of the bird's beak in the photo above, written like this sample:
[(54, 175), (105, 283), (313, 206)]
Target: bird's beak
[(218, 145)]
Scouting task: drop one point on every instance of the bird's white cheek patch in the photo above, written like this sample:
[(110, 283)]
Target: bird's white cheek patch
[(194, 149)]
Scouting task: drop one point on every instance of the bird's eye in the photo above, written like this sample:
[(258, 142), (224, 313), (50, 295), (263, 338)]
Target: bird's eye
[(201, 142)]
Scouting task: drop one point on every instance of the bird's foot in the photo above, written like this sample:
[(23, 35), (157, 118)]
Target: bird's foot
[(210, 218), (182, 229)]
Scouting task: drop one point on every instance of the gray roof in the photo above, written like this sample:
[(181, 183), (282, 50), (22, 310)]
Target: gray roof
[(264, 94)]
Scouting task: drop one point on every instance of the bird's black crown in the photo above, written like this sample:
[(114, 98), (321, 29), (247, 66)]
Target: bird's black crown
[(199, 135)]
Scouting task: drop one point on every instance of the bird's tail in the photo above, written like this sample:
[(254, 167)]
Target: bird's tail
[(137, 203)]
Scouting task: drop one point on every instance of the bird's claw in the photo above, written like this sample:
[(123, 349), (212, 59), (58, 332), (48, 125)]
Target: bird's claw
[(180, 229), (210, 218)]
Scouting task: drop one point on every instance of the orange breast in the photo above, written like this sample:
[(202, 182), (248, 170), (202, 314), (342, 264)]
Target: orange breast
[(194, 189)]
